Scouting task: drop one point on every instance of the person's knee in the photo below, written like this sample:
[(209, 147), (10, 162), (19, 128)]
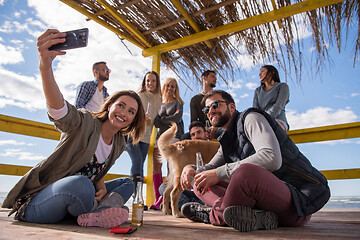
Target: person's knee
[(83, 185), (247, 173), (129, 182)]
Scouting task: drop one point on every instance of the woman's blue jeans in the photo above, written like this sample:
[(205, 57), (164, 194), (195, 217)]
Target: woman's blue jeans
[(137, 154), (74, 195)]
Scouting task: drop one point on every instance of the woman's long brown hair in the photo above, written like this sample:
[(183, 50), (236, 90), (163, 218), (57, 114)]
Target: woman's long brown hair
[(137, 127)]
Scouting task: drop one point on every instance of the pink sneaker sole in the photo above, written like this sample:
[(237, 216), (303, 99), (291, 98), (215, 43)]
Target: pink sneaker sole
[(107, 218)]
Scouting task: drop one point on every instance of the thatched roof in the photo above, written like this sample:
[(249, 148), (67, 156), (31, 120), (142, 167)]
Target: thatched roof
[(150, 24)]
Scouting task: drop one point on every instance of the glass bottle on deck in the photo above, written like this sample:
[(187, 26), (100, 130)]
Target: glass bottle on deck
[(199, 161), (138, 206)]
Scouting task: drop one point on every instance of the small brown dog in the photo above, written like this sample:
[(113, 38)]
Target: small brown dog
[(179, 155)]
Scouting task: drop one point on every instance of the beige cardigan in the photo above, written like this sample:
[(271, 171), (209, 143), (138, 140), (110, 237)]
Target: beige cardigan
[(80, 133), (155, 101)]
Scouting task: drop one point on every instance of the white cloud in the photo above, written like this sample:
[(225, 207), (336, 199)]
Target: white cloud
[(355, 94), (21, 154), (10, 55), (319, 116), (251, 85), (6, 27), (335, 142), (245, 95), (13, 142), (235, 85), (73, 68), (17, 14), (21, 91), (103, 45)]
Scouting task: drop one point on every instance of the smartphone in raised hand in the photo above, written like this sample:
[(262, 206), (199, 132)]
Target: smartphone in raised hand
[(74, 39)]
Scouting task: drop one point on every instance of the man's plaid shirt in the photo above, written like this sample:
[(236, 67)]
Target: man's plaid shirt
[(85, 91)]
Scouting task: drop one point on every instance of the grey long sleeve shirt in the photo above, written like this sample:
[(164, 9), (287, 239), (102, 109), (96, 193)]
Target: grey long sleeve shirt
[(267, 149)]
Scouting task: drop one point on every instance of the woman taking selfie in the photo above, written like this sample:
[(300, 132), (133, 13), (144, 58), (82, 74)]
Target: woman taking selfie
[(71, 179)]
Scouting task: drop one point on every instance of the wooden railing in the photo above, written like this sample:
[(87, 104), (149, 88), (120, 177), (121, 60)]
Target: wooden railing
[(42, 130)]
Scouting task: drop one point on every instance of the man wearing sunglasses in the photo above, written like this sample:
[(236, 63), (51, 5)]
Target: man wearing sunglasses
[(258, 179), (92, 94)]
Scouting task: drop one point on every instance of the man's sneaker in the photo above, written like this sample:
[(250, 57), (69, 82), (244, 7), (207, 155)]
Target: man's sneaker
[(196, 212), (107, 218), (245, 219)]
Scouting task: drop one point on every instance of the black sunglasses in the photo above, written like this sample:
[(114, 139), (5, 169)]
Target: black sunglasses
[(213, 105)]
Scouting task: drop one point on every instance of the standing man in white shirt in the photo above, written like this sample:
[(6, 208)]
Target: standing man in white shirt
[(92, 94)]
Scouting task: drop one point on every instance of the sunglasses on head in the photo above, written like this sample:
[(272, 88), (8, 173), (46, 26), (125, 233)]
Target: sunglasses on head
[(213, 105)]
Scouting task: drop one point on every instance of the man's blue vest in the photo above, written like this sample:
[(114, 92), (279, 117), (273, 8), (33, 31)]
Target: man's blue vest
[(309, 188)]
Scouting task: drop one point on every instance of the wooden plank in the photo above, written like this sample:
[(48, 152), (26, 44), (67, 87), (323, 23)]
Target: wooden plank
[(195, 14), (27, 127), (188, 18), (95, 18), (14, 170), (123, 20), (341, 174), (240, 25), (339, 224), (150, 193), (326, 133)]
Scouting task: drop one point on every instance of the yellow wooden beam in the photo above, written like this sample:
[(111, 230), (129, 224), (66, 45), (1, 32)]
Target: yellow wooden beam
[(274, 6), (14, 170), (342, 174), (334, 132), (284, 12), (123, 20), (27, 127), (111, 176), (17, 170), (156, 59), (188, 18), (95, 18), (150, 193)]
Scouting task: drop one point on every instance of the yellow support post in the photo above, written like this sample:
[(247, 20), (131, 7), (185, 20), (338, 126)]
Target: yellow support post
[(150, 194), (156, 62)]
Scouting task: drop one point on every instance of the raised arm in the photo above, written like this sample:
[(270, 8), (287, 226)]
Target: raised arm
[(52, 92)]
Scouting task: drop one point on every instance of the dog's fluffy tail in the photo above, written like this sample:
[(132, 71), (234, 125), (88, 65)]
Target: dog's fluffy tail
[(165, 140)]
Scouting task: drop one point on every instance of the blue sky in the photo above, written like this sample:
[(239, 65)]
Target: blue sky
[(330, 97)]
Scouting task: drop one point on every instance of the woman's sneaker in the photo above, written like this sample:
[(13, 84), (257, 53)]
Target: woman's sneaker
[(196, 212), (107, 218), (246, 219)]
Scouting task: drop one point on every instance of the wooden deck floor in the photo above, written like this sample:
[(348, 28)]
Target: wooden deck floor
[(326, 224)]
